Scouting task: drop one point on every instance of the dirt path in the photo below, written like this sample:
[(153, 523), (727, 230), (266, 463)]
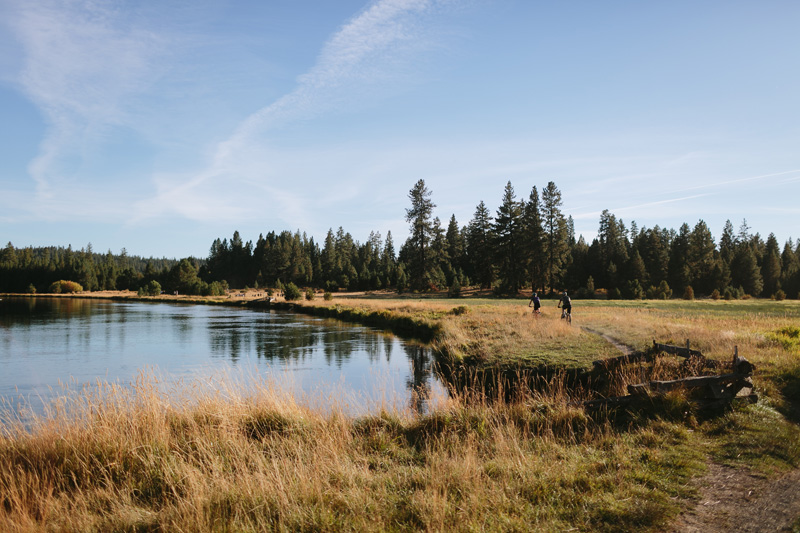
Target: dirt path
[(740, 500), (736, 499), (624, 348)]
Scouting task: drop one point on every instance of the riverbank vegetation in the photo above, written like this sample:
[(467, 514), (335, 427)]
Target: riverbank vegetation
[(145, 458)]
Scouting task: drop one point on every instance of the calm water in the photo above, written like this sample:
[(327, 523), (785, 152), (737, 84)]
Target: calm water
[(45, 342)]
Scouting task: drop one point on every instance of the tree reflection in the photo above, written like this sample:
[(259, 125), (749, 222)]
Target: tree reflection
[(418, 382)]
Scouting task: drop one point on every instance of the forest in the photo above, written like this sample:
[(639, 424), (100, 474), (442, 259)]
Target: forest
[(526, 243)]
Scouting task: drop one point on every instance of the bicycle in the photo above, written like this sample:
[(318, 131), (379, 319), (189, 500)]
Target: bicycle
[(566, 313)]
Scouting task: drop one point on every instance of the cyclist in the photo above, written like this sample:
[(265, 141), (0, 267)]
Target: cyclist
[(565, 304), (536, 304)]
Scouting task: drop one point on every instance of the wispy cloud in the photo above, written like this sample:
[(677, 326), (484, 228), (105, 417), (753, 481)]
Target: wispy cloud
[(82, 60), (363, 60)]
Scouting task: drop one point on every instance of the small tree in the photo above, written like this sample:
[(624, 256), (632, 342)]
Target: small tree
[(152, 288), (327, 296), (65, 287), (715, 295), (291, 292), (688, 293), (310, 294), (780, 295), (455, 289)]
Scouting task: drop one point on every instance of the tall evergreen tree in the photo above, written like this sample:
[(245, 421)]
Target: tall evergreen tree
[(701, 260), (679, 273), (507, 230), (555, 234), (771, 266), (419, 217), (479, 251), (533, 241)]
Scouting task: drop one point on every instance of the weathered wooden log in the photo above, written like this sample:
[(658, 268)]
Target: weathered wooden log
[(640, 389), (677, 350), (614, 362), (613, 401), (740, 364), (694, 382)]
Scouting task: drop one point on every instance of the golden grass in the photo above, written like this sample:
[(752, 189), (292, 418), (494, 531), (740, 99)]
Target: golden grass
[(132, 459), (202, 459)]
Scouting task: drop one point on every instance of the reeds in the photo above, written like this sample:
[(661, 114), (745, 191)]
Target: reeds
[(135, 458)]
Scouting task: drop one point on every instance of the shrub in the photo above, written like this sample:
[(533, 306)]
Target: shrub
[(715, 294), (151, 288), (662, 292), (310, 294), (688, 293), (634, 290), (31, 289), (291, 292), (216, 289), (780, 295), (65, 287), (327, 296), (455, 289)]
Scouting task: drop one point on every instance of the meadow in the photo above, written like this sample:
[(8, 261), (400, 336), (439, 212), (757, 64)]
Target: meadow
[(194, 459)]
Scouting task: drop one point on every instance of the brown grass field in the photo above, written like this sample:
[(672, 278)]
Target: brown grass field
[(195, 459)]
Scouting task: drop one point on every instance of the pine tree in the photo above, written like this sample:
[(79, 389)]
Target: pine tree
[(745, 272), (507, 240), (479, 236), (555, 234), (533, 241), (771, 267), (701, 260), (419, 217)]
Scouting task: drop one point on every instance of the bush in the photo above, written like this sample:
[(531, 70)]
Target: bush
[(455, 289), (65, 287), (310, 294), (327, 296), (780, 295), (715, 294), (688, 293), (216, 289), (151, 288), (633, 290), (31, 289), (662, 292), (291, 292)]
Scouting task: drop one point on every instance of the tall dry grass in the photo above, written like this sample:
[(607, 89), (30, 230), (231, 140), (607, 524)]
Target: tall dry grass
[(119, 458)]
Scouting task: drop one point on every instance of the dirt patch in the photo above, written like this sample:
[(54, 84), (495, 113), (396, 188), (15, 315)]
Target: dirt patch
[(624, 348), (741, 500)]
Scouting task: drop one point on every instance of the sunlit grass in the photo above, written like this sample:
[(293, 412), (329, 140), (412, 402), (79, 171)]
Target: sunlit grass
[(224, 458), (135, 459)]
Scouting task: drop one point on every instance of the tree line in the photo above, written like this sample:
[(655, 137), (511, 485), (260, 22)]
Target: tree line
[(526, 243)]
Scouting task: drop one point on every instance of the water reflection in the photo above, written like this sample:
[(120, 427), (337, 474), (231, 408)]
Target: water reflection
[(44, 340)]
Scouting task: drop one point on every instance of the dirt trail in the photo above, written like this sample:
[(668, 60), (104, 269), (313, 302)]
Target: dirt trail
[(740, 500), (624, 348), (736, 499)]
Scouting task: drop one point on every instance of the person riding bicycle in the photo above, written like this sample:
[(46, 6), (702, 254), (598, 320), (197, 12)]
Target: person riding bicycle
[(565, 304), (536, 303)]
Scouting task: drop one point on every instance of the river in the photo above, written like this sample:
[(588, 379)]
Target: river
[(48, 345)]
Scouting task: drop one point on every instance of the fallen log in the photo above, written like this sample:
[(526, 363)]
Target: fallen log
[(677, 350), (613, 362)]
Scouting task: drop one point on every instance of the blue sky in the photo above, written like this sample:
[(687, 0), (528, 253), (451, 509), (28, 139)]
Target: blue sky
[(160, 126)]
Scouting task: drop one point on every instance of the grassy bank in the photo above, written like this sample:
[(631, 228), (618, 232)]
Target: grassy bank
[(143, 460)]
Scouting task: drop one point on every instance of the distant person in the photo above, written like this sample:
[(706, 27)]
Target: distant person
[(535, 303), (565, 304)]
